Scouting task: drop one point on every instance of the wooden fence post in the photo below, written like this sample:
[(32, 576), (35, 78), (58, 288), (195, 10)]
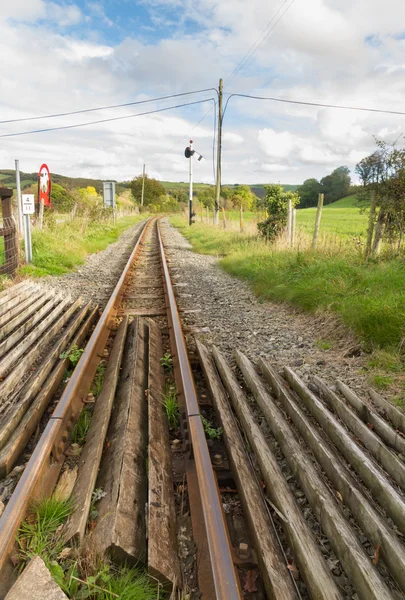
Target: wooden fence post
[(224, 217), (241, 218), (289, 222), (9, 232), (317, 221), (293, 222), (371, 219)]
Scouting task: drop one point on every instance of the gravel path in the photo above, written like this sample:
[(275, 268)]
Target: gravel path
[(231, 316), (96, 278)]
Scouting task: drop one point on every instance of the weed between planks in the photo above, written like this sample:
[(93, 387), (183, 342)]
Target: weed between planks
[(79, 573)]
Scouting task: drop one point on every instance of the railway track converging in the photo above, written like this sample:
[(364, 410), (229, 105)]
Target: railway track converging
[(226, 481)]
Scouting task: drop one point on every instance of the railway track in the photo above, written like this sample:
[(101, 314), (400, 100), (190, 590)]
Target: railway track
[(278, 490)]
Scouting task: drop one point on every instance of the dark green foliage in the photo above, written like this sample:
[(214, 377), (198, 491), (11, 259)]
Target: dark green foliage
[(152, 192), (308, 193), (336, 185), (61, 198), (276, 206)]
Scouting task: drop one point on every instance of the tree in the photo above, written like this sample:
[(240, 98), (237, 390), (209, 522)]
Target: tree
[(180, 195), (336, 185), (308, 192), (383, 178), (153, 190), (276, 204), (206, 197), (244, 197), (61, 198)]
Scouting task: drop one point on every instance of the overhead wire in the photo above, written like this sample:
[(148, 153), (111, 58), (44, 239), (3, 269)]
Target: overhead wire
[(318, 104), (87, 110), (258, 42), (150, 112)]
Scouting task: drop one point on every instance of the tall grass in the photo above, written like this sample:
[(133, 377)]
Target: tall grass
[(369, 295), (61, 247)]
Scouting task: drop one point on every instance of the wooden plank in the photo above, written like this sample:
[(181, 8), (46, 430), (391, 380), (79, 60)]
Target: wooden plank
[(90, 458), (22, 311), (15, 300), (369, 519), (385, 457), (394, 414), (369, 472), (21, 332), (7, 362), (307, 555), (27, 425), (367, 581), (121, 523), (11, 381), (143, 312), (273, 568), (14, 290), (380, 427), (17, 404), (163, 561)]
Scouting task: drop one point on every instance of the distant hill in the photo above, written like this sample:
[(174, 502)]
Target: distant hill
[(7, 177), (257, 188)]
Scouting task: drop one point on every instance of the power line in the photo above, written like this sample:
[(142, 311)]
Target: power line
[(247, 56), (87, 110), (303, 103), (258, 43), (150, 112)]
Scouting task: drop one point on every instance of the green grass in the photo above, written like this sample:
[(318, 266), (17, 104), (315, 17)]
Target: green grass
[(342, 218), (64, 246), (172, 408), (82, 426), (368, 295), (79, 576)]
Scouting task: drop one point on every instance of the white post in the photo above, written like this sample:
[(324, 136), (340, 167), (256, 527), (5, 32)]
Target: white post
[(190, 214), (28, 208), (19, 206)]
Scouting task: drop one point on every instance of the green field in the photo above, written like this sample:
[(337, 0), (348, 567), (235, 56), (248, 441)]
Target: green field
[(367, 295), (342, 218)]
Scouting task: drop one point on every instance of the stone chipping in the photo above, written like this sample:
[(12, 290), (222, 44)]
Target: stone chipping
[(96, 278), (220, 309)]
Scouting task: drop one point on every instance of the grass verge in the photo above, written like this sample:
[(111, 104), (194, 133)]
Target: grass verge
[(368, 295), (61, 247)]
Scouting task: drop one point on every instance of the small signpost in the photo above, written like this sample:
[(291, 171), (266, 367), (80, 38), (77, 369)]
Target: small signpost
[(28, 208), (109, 194)]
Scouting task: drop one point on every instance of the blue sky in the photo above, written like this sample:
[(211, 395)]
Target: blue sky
[(75, 54)]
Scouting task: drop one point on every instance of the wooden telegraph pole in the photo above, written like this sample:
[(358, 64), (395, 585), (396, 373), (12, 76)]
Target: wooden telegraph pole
[(143, 185), (219, 148)]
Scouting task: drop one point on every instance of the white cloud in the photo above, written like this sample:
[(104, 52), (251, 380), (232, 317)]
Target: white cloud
[(332, 51)]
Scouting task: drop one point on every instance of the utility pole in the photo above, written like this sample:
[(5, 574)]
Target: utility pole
[(219, 148), (19, 203), (143, 185), (190, 212)]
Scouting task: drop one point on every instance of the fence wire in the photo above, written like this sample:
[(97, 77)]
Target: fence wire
[(8, 245)]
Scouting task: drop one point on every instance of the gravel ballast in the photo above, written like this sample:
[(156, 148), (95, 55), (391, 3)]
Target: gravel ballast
[(227, 314), (96, 278)]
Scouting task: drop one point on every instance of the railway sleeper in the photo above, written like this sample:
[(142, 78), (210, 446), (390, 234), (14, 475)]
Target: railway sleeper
[(371, 522), (356, 563)]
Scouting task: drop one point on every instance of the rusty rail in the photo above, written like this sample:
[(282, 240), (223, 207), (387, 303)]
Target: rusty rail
[(225, 577), (43, 468)]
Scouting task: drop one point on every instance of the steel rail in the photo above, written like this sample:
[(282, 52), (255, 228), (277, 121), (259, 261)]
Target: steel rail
[(45, 463), (226, 580)]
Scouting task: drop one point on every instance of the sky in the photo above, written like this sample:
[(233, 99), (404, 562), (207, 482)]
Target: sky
[(60, 56)]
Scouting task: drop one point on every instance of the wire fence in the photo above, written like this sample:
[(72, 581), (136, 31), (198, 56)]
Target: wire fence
[(8, 236)]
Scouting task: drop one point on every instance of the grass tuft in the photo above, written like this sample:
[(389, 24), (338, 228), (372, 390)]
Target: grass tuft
[(81, 428), (172, 408)]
